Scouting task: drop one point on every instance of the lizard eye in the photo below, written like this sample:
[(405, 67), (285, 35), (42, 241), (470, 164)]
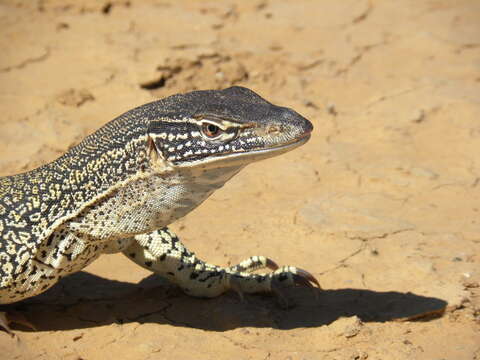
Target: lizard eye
[(211, 130)]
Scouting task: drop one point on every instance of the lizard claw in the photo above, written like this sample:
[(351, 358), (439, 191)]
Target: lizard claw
[(288, 276), (5, 322), (236, 286), (304, 278), (14, 317), (272, 265)]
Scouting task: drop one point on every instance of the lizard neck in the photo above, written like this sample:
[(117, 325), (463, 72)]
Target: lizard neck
[(150, 202)]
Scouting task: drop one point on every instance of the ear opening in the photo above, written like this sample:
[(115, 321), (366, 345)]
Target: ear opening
[(156, 159), (151, 147)]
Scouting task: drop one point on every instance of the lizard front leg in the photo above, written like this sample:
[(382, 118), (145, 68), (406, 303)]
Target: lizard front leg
[(162, 252)]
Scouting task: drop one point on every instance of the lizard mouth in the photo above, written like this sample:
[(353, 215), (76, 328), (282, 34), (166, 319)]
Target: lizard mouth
[(290, 145), (252, 155)]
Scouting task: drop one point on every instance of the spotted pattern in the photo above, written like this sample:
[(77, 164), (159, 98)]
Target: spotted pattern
[(34, 205)]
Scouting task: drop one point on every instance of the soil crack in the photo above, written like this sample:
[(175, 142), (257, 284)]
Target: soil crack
[(28, 61)]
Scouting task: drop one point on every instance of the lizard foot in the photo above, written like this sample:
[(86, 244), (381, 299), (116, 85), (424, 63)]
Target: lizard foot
[(275, 282), (163, 253), (13, 318)]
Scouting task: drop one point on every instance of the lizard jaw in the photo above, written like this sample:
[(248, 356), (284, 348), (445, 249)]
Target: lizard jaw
[(245, 158)]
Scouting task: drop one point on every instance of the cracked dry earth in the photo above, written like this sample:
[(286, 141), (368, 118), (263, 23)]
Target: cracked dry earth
[(382, 205)]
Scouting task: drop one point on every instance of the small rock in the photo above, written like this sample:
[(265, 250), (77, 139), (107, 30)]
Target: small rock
[(422, 172), (418, 116), (332, 110), (75, 97), (348, 327), (310, 104), (471, 284), (359, 355)]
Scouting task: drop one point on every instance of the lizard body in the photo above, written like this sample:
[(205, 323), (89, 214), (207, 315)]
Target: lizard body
[(119, 189)]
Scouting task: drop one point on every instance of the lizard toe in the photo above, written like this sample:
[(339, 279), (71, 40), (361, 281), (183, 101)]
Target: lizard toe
[(5, 322), (253, 263), (14, 318)]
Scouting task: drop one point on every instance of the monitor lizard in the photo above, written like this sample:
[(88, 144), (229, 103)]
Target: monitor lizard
[(119, 189)]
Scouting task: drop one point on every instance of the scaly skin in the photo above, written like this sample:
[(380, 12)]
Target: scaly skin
[(119, 189)]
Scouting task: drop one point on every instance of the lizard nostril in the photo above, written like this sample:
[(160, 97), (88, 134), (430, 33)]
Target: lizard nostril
[(273, 129)]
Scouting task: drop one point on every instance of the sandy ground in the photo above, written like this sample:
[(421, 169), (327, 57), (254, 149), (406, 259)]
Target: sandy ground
[(382, 205)]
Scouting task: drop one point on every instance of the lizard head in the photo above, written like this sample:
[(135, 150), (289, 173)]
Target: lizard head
[(216, 127)]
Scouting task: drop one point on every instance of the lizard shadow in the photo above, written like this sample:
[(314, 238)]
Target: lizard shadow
[(153, 300)]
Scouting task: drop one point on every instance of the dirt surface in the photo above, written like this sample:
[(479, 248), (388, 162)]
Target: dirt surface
[(382, 205)]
